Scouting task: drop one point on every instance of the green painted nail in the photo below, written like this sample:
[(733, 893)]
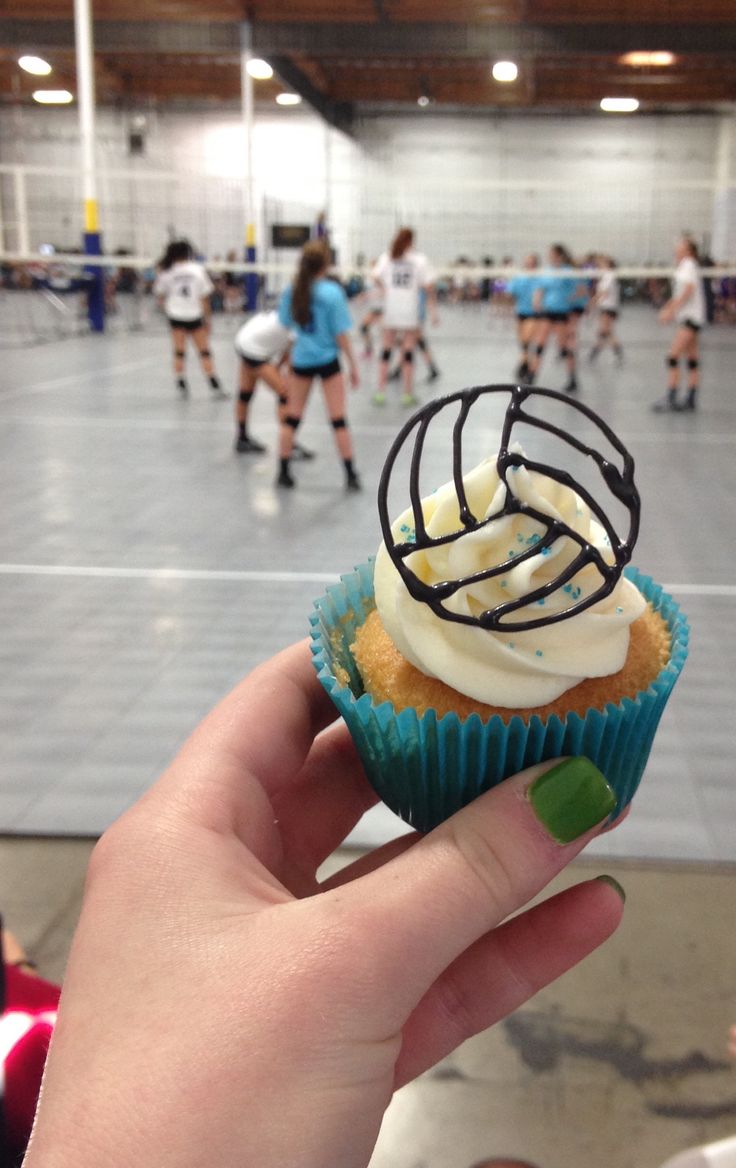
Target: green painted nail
[(606, 879), (571, 798)]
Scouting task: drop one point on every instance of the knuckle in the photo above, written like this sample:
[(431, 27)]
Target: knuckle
[(454, 1006), (487, 868)]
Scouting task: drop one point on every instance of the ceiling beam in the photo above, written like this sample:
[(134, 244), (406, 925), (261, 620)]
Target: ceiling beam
[(339, 114), (389, 39)]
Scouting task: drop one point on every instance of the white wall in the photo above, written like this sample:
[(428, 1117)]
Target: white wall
[(469, 184)]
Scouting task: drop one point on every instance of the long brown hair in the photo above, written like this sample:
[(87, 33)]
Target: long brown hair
[(403, 240), (315, 258)]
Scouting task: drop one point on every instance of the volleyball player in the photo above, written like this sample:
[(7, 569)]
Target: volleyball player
[(183, 288), (686, 306), (373, 300), (607, 300), (316, 310), (553, 298), (579, 302), (522, 289), (402, 273), (263, 345), (422, 345)]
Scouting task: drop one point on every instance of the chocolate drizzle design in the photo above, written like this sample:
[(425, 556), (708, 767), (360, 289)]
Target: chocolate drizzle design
[(620, 484)]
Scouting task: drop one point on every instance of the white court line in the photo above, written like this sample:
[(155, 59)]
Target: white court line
[(216, 575), (75, 378), (275, 576)]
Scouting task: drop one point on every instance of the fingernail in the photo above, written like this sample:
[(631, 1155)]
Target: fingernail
[(571, 798), (606, 879)]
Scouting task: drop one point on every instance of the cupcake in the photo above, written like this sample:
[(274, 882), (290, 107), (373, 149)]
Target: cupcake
[(500, 623)]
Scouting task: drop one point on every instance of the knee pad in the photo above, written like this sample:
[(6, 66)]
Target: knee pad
[(180, 353), (539, 350), (339, 424), (565, 352), (693, 363), (205, 353), (672, 362), (408, 356), (245, 395), (292, 421), (283, 400), (386, 355)]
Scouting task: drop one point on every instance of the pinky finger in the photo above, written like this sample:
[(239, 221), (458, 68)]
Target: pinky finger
[(504, 969)]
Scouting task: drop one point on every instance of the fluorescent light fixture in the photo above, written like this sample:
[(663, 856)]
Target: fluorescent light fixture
[(505, 71), (288, 98), (640, 59), (35, 65), (53, 96), (619, 105), (259, 69), (423, 100)]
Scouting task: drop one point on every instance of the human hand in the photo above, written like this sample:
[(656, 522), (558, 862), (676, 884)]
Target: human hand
[(221, 1007)]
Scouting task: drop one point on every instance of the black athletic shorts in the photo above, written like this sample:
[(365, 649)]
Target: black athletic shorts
[(323, 371), (253, 362), (691, 325), (528, 315), (556, 317), (577, 311), (189, 326), (612, 312)]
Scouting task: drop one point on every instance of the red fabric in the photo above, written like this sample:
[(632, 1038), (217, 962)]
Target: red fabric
[(25, 1031)]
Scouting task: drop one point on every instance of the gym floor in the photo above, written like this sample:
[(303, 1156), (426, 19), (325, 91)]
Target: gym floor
[(146, 567)]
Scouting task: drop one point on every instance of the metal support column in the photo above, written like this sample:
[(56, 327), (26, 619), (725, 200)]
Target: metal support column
[(246, 83), (86, 100)]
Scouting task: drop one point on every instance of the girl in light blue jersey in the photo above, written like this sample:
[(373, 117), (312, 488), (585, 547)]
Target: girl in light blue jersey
[(553, 300), (316, 310)]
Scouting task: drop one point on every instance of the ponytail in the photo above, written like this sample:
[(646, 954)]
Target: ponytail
[(402, 242), (315, 258)]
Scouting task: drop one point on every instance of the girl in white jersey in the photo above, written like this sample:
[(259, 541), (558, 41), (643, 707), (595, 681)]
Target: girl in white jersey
[(402, 273), (263, 345), (607, 300), (686, 306), (183, 289)]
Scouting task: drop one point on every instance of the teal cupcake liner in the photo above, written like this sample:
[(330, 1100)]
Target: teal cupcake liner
[(426, 768)]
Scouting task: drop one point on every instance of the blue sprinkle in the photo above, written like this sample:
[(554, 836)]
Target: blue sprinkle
[(512, 645), (541, 601), (577, 593), (539, 653), (504, 583), (535, 538), (619, 610), (520, 538), (567, 588)]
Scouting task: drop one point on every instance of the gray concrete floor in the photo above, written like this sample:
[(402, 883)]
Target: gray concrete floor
[(145, 567)]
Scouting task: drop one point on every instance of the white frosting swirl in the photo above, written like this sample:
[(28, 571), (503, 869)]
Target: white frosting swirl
[(508, 669)]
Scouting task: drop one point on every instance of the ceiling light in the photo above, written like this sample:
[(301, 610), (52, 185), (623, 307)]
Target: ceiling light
[(35, 65), (505, 71), (619, 105), (638, 58), (288, 98), (423, 100), (53, 96), (259, 69)]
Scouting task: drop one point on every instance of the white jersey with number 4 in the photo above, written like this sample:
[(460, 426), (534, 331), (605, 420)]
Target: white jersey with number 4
[(403, 280), (184, 287), (687, 274)]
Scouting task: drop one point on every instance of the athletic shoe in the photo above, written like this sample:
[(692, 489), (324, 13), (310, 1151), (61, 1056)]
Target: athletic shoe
[(572, 386), (300, 453), (665, 405), (183, 388), (522, 371), (379, 399), (285, 479), (683, 407), (433, 374), (219, 393), (353, 482), (249, 446), (408, 399)]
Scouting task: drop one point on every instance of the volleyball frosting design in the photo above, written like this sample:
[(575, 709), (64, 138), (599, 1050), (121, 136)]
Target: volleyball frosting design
[(507, 583)]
